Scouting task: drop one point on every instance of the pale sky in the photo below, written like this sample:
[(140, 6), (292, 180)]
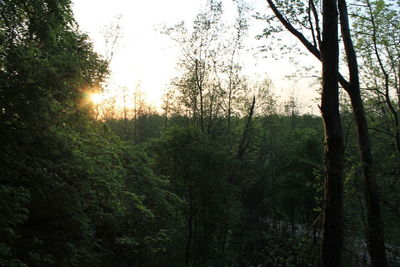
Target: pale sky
[(145, 56)]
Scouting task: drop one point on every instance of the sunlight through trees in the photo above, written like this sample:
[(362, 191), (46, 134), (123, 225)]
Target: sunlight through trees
[(229, 171)]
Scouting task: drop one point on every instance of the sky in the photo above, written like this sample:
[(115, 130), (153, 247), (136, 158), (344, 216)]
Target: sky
[(147, 58)]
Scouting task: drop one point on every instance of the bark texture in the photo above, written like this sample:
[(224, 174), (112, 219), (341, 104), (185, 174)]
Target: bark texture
[(332, 238)]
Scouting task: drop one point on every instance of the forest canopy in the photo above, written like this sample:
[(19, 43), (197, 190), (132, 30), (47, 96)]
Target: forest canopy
[(224, 173)]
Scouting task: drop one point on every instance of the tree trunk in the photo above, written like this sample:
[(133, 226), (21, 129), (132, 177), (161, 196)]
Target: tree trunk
[(375, 225), (199, 76), (332, 237), (189, 240), (375, 232)]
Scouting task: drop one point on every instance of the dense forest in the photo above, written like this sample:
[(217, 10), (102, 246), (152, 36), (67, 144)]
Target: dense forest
[(224, 174)]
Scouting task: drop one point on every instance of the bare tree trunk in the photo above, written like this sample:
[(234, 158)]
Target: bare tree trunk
[(244, 143), (189, 240), (199, 77), (332, 237), (375, 232), (374, 229), (125, 115), (375, 225)]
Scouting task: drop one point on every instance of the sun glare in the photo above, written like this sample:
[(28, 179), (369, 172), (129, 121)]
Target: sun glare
[(96, 98)]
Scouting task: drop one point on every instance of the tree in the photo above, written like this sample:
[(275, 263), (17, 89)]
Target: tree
[(376, 25), (375, 235), (197, 173), (332, 238), (379, 55), (196, 89), (211, 86), (72, 193), (314, 46), (45, 63)]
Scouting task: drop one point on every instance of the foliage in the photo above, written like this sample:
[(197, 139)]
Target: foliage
[(72, 193), (243, 188)]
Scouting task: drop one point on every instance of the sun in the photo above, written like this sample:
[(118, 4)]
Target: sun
[(96, 98)]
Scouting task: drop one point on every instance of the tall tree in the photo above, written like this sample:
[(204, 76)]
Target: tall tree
[(375, 235), (314, 45), (332, 238), (377, 35), (211, 85)]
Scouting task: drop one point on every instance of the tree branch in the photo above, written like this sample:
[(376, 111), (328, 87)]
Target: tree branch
[(310, 47)]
